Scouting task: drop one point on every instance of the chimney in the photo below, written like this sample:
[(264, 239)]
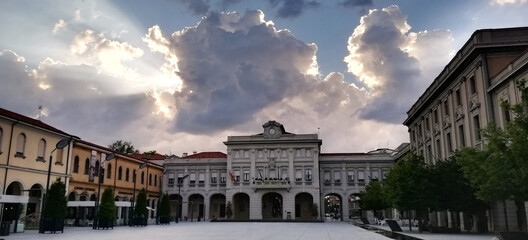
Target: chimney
[(195, 152), (184, 155)]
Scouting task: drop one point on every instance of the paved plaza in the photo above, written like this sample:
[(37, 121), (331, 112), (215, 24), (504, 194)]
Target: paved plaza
[(228, 231), (216, 231)]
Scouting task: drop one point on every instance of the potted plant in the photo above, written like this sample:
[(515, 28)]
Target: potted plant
[(315, 211), (107, 210), (164, 209), (56, 208), (140, 210), (229, 210)]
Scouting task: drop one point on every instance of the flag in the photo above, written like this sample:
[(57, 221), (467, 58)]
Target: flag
[(233, 179)]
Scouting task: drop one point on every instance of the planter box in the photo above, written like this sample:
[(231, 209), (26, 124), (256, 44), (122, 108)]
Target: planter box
[(165, 220), (139, 221), (105, 223), (53, 225)]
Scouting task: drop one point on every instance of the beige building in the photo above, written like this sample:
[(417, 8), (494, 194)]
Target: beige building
[(118, 173), (465, 97), (27, 146), (272, 175)]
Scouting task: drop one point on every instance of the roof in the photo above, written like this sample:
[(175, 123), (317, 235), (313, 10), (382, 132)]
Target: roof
[(342, 154), (202, 155), (30, 121)]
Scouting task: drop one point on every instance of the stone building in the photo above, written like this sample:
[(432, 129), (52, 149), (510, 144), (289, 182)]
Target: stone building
[(466, 96), (272, 175)]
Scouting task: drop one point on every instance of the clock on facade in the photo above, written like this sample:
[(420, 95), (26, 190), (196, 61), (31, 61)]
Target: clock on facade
[(271, 131)]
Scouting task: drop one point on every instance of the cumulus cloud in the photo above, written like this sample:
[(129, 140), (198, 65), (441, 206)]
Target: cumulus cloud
[(293, 8), (504, 2), (61, 24), (390, 60), (109, 54)]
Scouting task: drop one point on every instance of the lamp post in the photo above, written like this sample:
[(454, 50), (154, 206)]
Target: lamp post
[(100, 179), (180, 181), (60, 145), (133, 200)]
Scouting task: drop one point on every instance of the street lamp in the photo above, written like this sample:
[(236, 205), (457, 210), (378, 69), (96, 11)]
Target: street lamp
[(133, 200), (60, 145), (180, 181), (100, 179)]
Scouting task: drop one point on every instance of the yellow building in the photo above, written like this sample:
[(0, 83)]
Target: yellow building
[(27, 151), (117, 173)]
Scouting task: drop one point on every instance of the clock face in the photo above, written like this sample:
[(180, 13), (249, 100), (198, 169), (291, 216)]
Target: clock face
[(271, 131)]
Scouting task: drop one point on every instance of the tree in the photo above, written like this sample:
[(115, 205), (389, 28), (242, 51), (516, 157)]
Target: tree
[(314, 210), (107, 210), (124, 147), (409, 187), (374, 198), (56, 204), (140, 210), (164, 209), (499, 171), (453, 190)]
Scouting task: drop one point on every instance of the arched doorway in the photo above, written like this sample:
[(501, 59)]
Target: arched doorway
[(217, 206), (35, 197), (176, 206), (11, 211), (272, 206), (196, 207), (72, 211), (241, 206), (303, 206), (333, 207)]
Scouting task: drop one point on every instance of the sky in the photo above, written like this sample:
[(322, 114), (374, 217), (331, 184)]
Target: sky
[(180, 76)]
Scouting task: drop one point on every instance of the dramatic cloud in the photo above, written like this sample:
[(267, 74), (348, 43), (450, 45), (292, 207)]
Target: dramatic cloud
[(390, 60), (292, 8), (504, 2)]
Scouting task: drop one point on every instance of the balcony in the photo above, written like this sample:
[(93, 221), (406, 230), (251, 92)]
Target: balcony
[(271, 183)]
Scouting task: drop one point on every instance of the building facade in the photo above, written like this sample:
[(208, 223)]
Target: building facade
[(273, 175), (27, 146), (466, 96), (125, 174)]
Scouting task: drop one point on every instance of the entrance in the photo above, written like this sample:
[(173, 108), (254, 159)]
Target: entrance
[(303, 206), (241, 206), (333, 207), (272, 206), (217, 206)]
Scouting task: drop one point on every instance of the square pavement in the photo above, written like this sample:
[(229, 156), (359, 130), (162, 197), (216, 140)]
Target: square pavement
[(440, 236), (213, 230)]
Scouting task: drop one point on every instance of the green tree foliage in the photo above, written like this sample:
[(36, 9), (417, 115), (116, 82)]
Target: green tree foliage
[(499, 171), (164, 209), (108, 208), (140, 210), (124, 147), (409, 187), (229, 210), (314, 210), (56, 204), (374, 198)]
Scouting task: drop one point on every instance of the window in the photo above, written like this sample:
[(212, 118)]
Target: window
[(351, 177), (150, 179), (1, 137), (448, 143), (438, 150), (259, 173), (505, 112), (446, 107), (272, 173), (237, 175), (361, 177), (192, 178), (214, 177), (326, 176), (337, 176), (308, 174), (246, 176), (155, 180), (284, 174), (120, 173), (462, 138), (76, 164), (476, 125), (223, 177), (375, 174), (180, 178), (96, 168), (171, 179), (298, 175), (457, 97), (427, 127), (472, 85), (109, 172), (87, 166), (201, 178), (21, 145), (59, 156), (127, 175), (142, 177), (41, 150), (435, 116)]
